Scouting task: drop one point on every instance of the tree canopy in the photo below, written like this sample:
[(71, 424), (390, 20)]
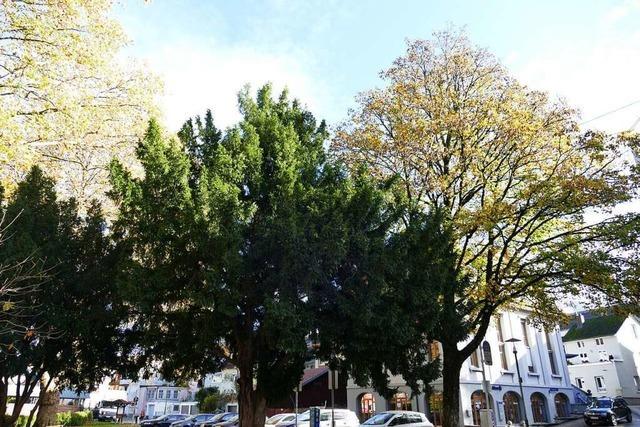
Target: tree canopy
[(230, 242), (72, 319), (509, 169), (67, 102)]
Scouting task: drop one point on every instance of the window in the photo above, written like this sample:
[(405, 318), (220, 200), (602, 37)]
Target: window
[(604, 356), (501, 349), (635, 330), (176, 408), (552, 357), (525, 340), (151, 393), (600, 385), (175, 394), (474, 360), (636, 379), (580, 344), (160, 394), (580, 382), (512, 411), (599, 341), (584, 357)]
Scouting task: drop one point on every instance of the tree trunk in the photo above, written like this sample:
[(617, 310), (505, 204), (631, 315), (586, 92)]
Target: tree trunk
[(451, 385), (49, 398), (252, 404)]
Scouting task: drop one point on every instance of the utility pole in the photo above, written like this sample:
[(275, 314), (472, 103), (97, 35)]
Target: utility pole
[(332, 384)]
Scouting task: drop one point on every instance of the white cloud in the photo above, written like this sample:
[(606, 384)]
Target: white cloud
[(205, 75), (596, 77)]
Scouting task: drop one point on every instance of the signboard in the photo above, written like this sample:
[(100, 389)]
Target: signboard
[(314, 419), (486, 353), (496, 387), (551, 390)]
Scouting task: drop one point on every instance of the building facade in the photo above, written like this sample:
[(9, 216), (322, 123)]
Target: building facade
[(548, 393), (605, 355)]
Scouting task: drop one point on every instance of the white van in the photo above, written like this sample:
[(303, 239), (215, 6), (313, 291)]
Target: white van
[(343, 418), (398, 418)]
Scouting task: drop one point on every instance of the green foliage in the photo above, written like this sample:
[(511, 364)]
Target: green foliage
[(74, 312), (203, 393), (231, 245), (22, 421), (69, 418)]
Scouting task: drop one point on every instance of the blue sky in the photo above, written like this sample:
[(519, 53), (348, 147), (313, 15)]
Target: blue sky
[(327, 51)]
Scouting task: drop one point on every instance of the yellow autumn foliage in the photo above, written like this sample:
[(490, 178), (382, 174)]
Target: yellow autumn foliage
[(68, 101)]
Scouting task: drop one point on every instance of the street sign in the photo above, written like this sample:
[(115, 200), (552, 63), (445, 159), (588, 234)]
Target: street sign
[(314, 418), (486, 353)]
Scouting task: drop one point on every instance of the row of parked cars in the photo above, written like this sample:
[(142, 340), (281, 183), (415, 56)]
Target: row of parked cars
[(343, 418), (224, 419), (346, 418)]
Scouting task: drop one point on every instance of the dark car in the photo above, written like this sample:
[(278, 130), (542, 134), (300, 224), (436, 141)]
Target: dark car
[(163, 421), (607, 410), (227, 419), (194, 420)]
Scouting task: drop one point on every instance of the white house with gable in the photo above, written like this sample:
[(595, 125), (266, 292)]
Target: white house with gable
[(605, 352)]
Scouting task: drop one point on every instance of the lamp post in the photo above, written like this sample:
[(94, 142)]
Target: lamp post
[(515, 355)]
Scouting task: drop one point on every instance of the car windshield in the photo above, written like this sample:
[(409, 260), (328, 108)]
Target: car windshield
[(602, 403), (275, 419), (378, 419), (304, 416), (203, 417), (227, 417)]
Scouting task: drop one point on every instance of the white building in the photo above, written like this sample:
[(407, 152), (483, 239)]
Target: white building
[(548, 392), (225, 380), (606, 355)]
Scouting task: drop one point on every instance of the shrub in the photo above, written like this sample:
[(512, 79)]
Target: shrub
[(22, 421), (74, 418), (63, 418)]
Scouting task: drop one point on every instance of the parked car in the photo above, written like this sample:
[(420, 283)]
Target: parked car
[(606, 410), (164, 420), (396, 418), (343, 418), (281, 420), (231, 421), (220, 420), (193, 420), (105, 411), (212, 420)]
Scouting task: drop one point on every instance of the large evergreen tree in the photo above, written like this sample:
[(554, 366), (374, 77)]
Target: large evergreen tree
[(230, 242), (72, 319)]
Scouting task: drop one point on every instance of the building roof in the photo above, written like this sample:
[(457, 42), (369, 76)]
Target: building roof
[(311, 374), (595, 327)]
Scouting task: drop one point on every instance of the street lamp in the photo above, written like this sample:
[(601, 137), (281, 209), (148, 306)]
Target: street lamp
[(515, 355)]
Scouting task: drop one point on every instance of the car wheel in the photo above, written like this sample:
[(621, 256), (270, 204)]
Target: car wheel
[(629, 417), (614, 420), (587, 422)]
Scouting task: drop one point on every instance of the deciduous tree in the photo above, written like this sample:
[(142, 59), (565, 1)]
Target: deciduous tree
[(67, 102), (506, 165)]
